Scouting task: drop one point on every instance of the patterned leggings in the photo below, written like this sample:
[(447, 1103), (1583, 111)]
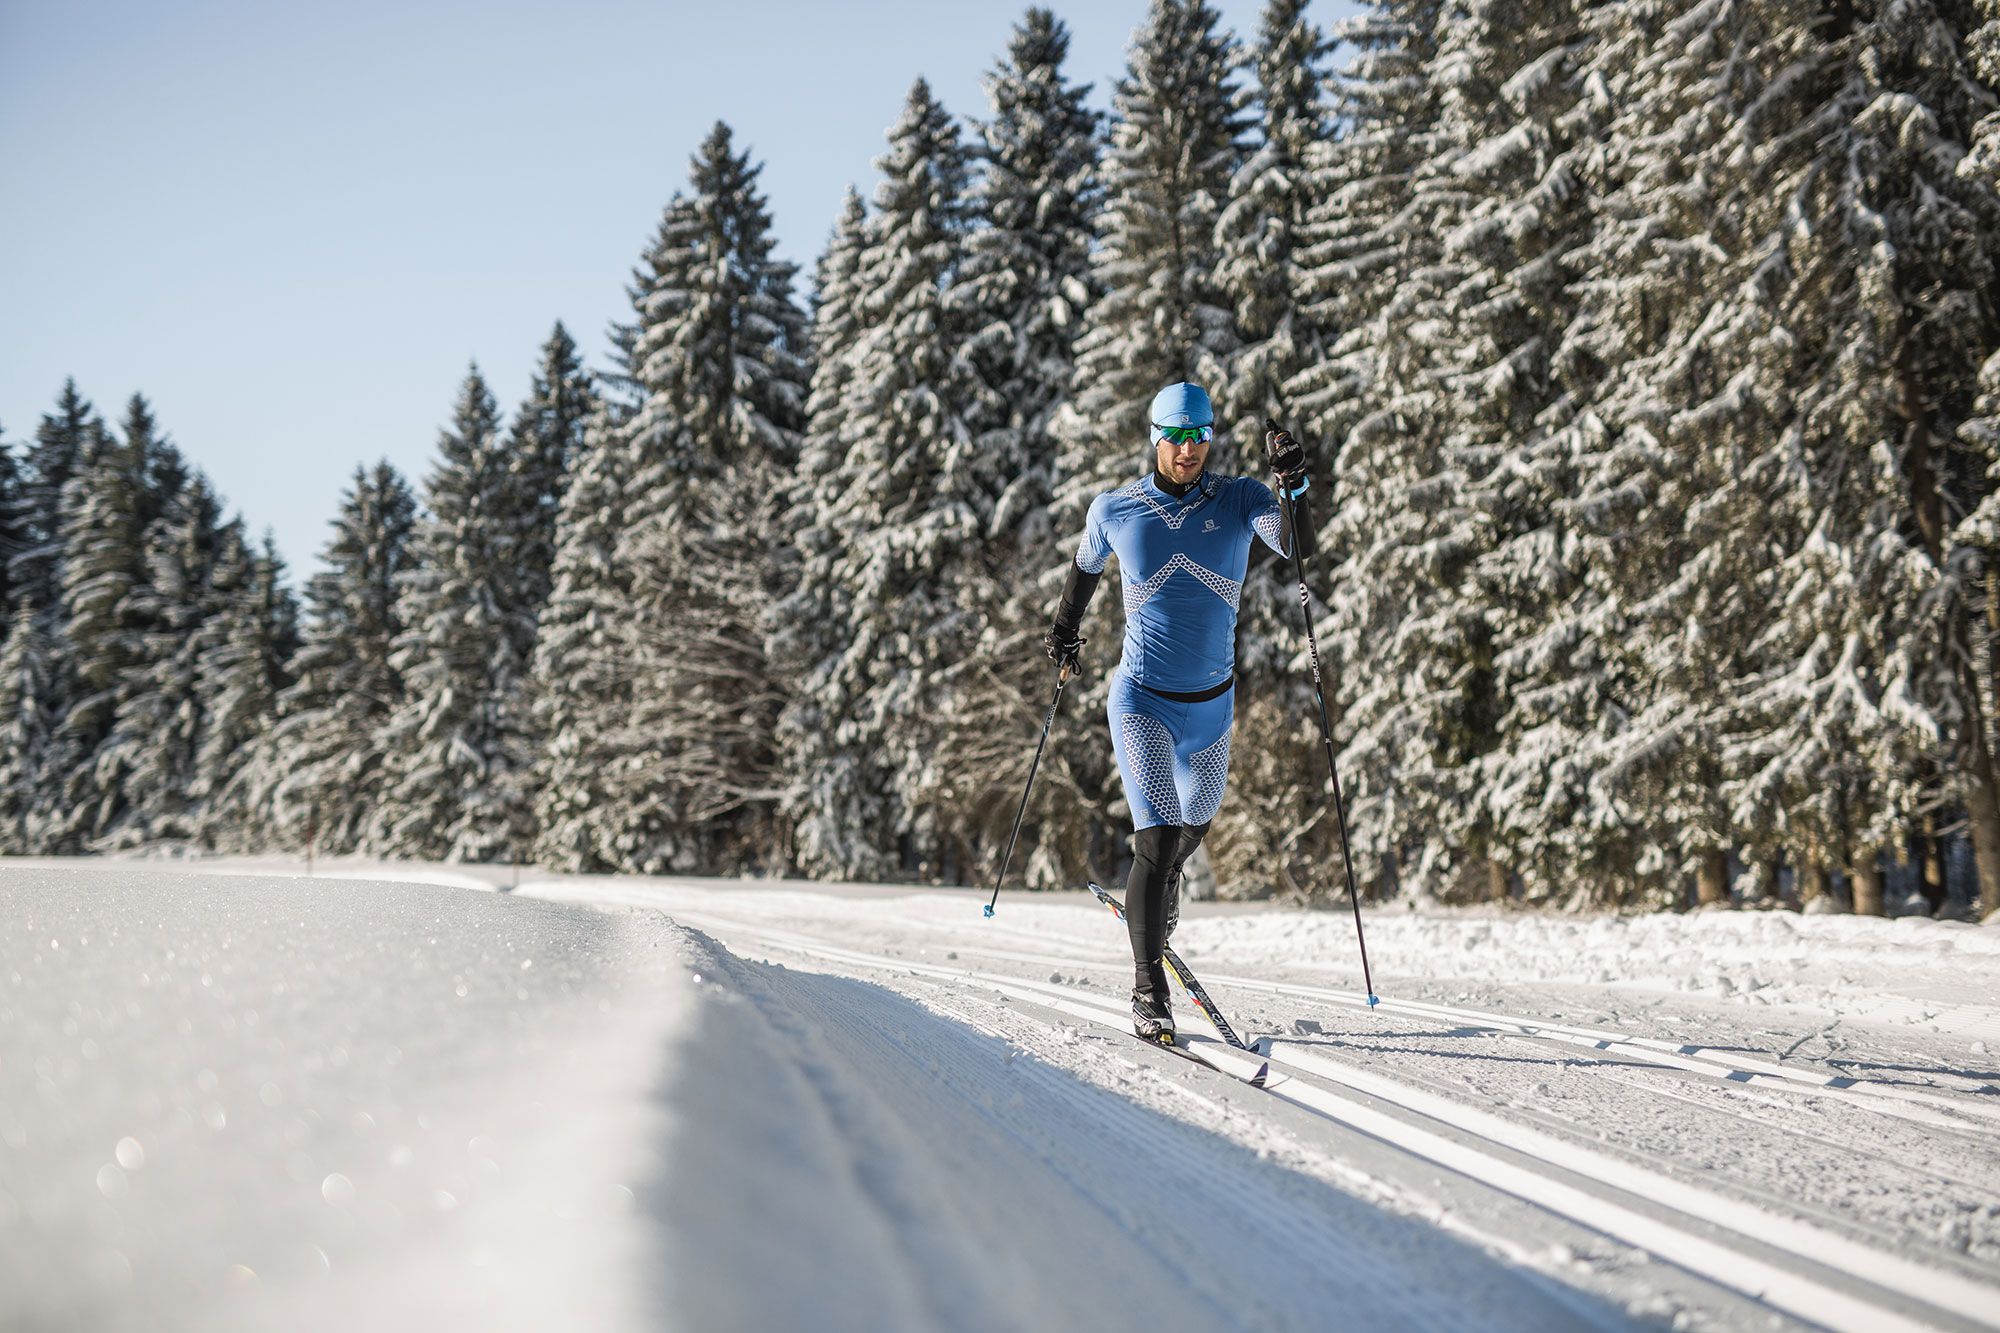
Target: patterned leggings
[(1173, 757)]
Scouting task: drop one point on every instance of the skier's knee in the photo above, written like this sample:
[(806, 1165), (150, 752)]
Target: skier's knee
[(1190, 838), (1156, 848)]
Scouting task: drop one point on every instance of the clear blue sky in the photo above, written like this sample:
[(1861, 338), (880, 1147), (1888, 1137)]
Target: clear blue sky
[(291, 226)]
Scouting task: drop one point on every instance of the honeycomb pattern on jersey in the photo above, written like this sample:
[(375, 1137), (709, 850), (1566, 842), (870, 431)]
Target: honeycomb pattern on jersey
[(1138, 594), (1211, 777), (1149, 759), (1089, 561)]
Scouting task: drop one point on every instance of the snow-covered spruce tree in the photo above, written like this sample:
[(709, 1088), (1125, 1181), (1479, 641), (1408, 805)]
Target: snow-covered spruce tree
[(1444, 385), (543, 444), (1903, 281), (315, 777), (1022, 291), (807, 626), (1664, 503), (1175, 142), (64, 438), (243, 674), (1361, 237), (582, 681), (1262, 226), (901, 520), (1271, 834), (159, 721), (452, 744), (721, 356), (1596, 277), (545, 439), (14, 534), (1802, 676), (1361, 234), (106, 506), (1514, 419), (26, 729)]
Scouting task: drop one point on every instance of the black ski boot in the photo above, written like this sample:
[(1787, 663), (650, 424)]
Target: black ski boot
[(1151, 1016)]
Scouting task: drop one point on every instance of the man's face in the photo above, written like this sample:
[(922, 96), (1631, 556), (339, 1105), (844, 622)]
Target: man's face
[(1181, 463)]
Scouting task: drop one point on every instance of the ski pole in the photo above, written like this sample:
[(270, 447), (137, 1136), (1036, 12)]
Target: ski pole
[(1325, 728), (1062, 679)]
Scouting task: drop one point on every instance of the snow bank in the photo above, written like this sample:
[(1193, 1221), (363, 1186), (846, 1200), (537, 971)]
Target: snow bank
[(1907, 970)]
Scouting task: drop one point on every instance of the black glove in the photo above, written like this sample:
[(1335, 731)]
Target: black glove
[(1286, 456), (1065, 648)]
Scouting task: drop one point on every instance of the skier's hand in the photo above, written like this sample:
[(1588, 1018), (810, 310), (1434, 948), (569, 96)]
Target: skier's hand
[(1286, 456), (1065, 648)]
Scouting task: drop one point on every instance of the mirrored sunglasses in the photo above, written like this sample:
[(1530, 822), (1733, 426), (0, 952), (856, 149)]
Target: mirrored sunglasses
[(1186, 434)]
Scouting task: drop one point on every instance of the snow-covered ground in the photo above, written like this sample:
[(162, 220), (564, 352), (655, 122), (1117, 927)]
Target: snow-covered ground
[(233, 1096)]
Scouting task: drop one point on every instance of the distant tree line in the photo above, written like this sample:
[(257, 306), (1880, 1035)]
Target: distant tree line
[(1645, 351)]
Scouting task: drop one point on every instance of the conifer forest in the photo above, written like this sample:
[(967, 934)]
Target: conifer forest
[(1647, 357)]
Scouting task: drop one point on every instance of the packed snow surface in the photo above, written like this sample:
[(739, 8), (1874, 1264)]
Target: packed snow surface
[(233, 1096)]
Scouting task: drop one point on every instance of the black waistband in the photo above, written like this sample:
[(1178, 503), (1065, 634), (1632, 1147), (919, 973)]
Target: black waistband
[(1198, 697)]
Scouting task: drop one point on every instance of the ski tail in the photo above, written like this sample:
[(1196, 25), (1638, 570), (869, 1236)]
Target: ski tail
[(1183, 974)]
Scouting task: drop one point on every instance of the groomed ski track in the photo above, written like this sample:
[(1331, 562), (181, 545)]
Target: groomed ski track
[(1775, 1254), (884, 1112)]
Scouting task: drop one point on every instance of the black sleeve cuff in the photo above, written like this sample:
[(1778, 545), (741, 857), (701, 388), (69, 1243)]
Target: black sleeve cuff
[(1076, 597)]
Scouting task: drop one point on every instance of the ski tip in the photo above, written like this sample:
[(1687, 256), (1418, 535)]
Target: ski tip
[(988, 909), (1373, 999), (1263, 1073)]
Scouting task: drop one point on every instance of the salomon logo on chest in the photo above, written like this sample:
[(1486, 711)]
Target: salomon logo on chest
[(1208, 525)]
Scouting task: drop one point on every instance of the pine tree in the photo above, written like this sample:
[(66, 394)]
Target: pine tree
[(1260, 230), (243, 675), (543, 445), (1025, 284), (1023, 292), (898, 522), (582, 682), (807, 624), (14, 536), (315, 778), (159, 722), (106, 506), (1465, 203), (1361, 234), (63, 440), (1882, 320), (1260, 237), (1176, 141), (544, 441), (459, 733), (26, 731), (721, 356)]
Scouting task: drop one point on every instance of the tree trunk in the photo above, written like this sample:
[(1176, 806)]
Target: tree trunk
[(1499, 882), (1814, 882), (1933, 879), (1866, 877), (1983, 811), (1711, 882)]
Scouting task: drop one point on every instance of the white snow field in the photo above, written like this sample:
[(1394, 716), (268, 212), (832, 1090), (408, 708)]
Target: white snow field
[(233, 1096)]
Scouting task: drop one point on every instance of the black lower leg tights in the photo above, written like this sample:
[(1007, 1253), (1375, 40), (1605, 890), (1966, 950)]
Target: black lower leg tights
[(1158, 853)]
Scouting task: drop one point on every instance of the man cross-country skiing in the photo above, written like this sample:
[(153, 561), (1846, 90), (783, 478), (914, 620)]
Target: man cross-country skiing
[(1182, 538)]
